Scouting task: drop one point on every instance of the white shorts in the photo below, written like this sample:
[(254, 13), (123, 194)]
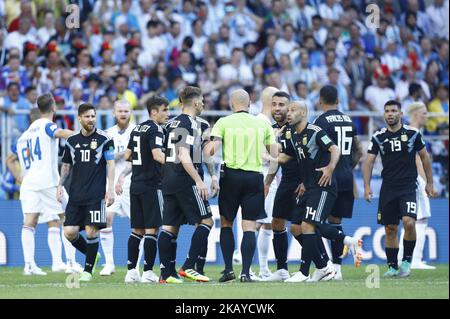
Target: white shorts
[(43, 202), (121, 204), (268, 203), (423, 202)]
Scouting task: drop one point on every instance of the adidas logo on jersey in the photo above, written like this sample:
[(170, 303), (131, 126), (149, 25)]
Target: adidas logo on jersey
[(77, 146)]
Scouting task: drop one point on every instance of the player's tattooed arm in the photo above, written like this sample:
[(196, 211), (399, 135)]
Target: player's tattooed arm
[(367, 175), (65, 171), (426, 164), (213, 172), (357, 151)]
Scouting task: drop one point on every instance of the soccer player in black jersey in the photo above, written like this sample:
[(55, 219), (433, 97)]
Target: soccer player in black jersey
[(185, 193), (284, 203), (397, 145), (91, 154), (145, 151), (318, 157), (340, 128)]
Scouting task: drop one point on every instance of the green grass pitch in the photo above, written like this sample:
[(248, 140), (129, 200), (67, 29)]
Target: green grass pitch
[(421, 284)]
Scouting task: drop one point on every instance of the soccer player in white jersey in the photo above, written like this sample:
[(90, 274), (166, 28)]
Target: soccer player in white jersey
[(120, 133), (37, 151), (417, 113), (265, 225)]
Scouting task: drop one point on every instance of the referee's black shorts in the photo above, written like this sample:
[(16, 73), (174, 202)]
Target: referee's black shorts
[(244, 189)]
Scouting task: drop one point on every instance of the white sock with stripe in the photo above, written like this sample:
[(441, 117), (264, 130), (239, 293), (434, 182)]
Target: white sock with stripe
[(55, 245), (107, 240), (28, 245), (264, 242)]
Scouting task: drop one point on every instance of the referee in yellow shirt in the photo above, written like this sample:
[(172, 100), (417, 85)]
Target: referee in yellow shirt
[(244, 139)]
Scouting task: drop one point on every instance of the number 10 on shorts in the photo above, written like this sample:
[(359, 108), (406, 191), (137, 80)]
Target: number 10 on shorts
[(95, 216)]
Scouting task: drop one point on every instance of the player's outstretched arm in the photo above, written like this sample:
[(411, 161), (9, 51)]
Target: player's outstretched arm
[(426, 164), (212, 147), (213, 172), (63, 133), (357, 151), (185, 159), (158, 155), (65, 171), (367, 175), (111, 167)]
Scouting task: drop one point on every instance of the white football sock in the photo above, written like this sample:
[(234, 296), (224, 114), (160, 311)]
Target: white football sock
[(141, 253), (28, 245), (54, 243), (421, 227), (264, 242), (69, 250), (107, 240)]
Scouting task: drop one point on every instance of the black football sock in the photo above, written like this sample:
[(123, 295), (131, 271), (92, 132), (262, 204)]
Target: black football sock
[(305, 262), (311, 250), (330, 232), (133, 250), (408, 249), (321, 246), (280, 247), (165, 252), (337, 247), (173, 255), (91, 253), (199, 239), (150, 242), (392, 257), (200, 265), (248, 247), (227, 247), (80, 244)]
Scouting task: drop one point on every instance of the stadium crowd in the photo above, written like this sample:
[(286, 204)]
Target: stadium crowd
[(133, 49)]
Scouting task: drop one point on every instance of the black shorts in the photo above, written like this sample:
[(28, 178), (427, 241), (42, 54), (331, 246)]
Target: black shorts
[(393, 205), (185, 206), (343, 206), (244, 189), (92, 214), (285, 200), (146, 209), (315, 206)]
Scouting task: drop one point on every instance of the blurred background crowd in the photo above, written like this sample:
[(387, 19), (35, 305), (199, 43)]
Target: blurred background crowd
[(133, 49)]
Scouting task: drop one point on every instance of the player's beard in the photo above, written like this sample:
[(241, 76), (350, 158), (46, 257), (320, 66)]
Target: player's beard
[(393, 123), (89, 127)]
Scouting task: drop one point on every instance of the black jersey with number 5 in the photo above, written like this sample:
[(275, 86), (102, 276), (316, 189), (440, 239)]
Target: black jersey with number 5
[(146, 172), (398, 154), (181, 131), (310, 148), (340, 128)]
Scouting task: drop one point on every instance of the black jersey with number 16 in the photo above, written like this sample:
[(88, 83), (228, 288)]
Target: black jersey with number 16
[(340, 128)]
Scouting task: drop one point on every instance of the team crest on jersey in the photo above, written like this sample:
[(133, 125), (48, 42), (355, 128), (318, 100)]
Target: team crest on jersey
[(404, 138), (379, 216), (305, 140), (288, 135), (94, 144)]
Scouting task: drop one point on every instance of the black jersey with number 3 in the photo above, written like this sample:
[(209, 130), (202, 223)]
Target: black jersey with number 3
[(398, 154), (310, 148), (182, 131), (340, 128), (146, 172)]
